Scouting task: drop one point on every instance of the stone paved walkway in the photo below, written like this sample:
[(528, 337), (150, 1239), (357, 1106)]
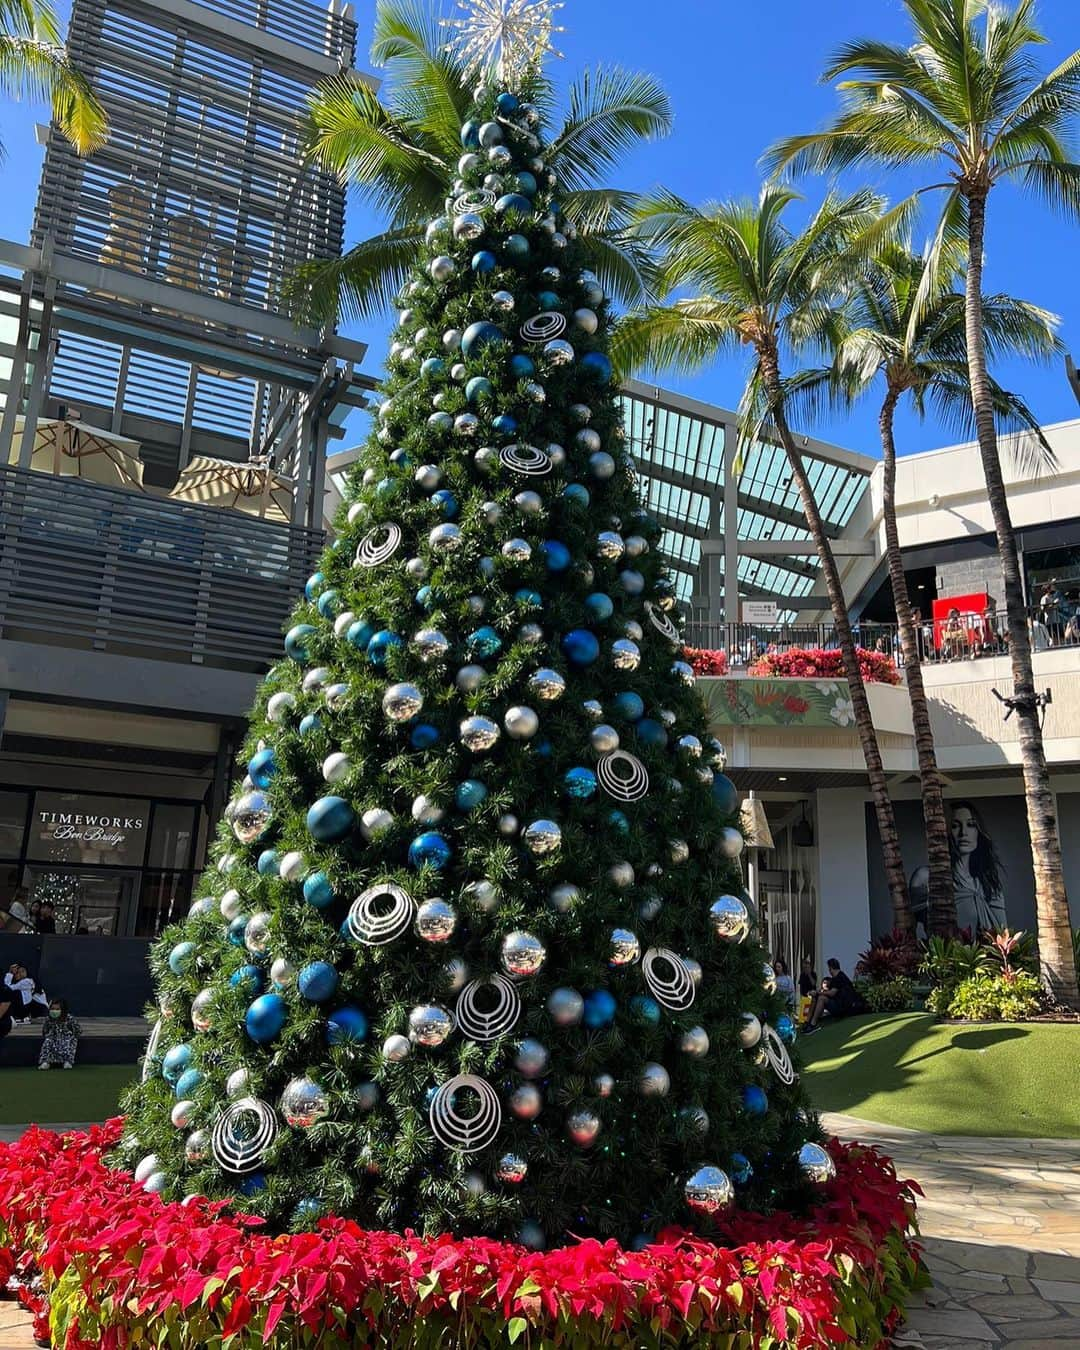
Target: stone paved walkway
[(1001, 1227)]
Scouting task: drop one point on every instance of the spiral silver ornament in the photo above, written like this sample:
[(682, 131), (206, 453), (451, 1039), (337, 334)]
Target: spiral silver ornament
[(623, 776), (662, 623), (544, 327), (488, 1025), (364, 924), (477, 200), (470, 1134), (528, 460), (776, 1053), (243, 1134), (150, 1053), (379, 545), (675, 992)]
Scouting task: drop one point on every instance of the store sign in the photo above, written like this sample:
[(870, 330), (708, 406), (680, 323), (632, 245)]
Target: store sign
[(759, 611), (81, 828)]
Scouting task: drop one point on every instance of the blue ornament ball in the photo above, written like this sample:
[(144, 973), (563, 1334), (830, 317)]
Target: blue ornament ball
[(296, 640), (632, 582), (785, 1029), (525, 183), (600, 1008), (483, 262), (514, 201), (651, 733), (469, 794), (430, 848), (187, 1084), (581, 647), (516, 247), (253, 1184), (309, 724), (725, 795), (262, 766), (176, 1061), (268, 863), (249, 979), (619, 822), (529, 598), (447, 503), (597, 367), (577, 494), (433, 367), (317, 890), (505, 424), (556, 555), (314, 585), (630, 705), (741, 1169), (265, 1017), (330, 819), (424, 736), (483, 642), (645, 1010), (599, 606), (236, 930), (181, 957), (580, 783), (380, 647), (506, 104), (754, 1100), (547, 300), (470, 135), (346, 1026), (317, 981), (522, 366), (479, 336), (329, 605), (360, 634)]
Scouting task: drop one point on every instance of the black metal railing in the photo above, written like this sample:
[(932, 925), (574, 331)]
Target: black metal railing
[(121, 571)]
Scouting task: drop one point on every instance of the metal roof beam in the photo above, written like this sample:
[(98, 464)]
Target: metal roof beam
[(775, 548)]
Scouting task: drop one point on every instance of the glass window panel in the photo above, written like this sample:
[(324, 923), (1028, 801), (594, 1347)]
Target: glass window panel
[(172, 835), (163, 898), (13, 808)]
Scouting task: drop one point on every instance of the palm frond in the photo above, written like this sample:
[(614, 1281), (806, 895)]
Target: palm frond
[(610, 111), (421, 70), (688, 334), (359, 285), (40, 70), (1056, 183)]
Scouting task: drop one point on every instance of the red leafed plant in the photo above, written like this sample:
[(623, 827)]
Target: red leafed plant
[(818, 663), (118, 1268), (704, 662), (890, 956)]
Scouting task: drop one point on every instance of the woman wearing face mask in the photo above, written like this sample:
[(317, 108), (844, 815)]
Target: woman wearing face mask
[(59, 1037)]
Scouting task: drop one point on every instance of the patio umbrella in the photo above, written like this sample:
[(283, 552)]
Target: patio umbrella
[(79, 450), (253, 486)]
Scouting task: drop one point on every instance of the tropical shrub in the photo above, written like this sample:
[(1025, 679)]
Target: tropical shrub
[(816, 663), (995, 998), (892, 995), (947, 960), (1015, 951), (104, 1266), (705, 662), (891, 955)]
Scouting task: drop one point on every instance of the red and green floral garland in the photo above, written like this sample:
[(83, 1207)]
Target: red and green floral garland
[(104, 1265)]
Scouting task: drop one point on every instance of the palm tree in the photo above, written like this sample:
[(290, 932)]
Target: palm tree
[(966, 98), (909, 339), (399, 149), (34, 65), (760, 284)]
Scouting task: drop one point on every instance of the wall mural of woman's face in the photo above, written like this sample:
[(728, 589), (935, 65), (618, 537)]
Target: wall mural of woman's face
[(964, 831)]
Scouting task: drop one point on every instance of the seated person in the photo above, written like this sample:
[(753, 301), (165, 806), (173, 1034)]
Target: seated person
[(27, 997), (837, 998), (59, 1037)]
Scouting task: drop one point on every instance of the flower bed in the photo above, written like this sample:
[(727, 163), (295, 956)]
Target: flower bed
[(705, 662), (809, 663), (105, 1266)]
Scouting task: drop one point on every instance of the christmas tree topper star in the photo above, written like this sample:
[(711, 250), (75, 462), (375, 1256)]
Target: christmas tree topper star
[(508, 37)]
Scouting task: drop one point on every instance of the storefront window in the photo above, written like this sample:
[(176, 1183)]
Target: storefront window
[(172, 836), (163, 898), (83, 901), (13, 807), (78, 827)]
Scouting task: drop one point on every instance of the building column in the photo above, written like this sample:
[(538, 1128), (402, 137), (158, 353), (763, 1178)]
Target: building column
[(731, 524), (843, 879)]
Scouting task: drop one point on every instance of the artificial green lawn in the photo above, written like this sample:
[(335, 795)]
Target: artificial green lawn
[(1009, 1079), (85, 1093)]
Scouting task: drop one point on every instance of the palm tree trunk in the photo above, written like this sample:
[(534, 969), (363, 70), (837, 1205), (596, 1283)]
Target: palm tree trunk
[(1051, 901), (942, 916), (864, 722)]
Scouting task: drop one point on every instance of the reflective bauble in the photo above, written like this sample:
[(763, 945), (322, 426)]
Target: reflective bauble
[(731, 842), (817, 1163), (609, 544), (604, 739), (237, 1084), (336, 767), (709, 1191), (430, 644), (202, 1010), (621, 874), (565, 1007), (470, 678), (250, 816), (654, 1081), (749, 1031), (601, 465), (768, 978), (455, 975), (508, 825), (696, 1118), (542, 837), (478, 733), (430, 1025), (435, 921), (531, 1059), (512, 1169), (257, 933), (517, 550), (402, 702), (564, 897), (547, 685), (529, 503), (442, 268), (279, 706), (695, 1043), (396, 1048), (445, 538), (197, 1147), (522, 954), (304, 1103), (730, 918), (526, 1102), (625, 655), (583, 1127), (282, 972), (625, 948)]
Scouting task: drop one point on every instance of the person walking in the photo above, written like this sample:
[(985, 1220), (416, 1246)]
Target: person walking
[(59, 1037)]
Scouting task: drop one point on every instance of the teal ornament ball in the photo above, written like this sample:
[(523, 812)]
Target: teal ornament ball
[(470, 135), (479, 336), (249, 979), (516, 247), (725, 795), (484, 642), (580, 647), (314, 585), (317, 890), (580, 783), (265, 1017), (599, 607), (434, 367), (651, 734), (380, 646), (469, 794), (577, 494), (513, 201), (317, 981), (296, 642), (360, 633), (176, 1061), (619, 822), (329, 605), (479, 387), (181, 957), (505, 424), (429, 849), (262, 766), (645, 1010), (187, 1084), (522, 366), (309, 724), (267, 866), (483, 262), (236, 930), (346, 1026), (632, 707), (330, 819), (507, 104)]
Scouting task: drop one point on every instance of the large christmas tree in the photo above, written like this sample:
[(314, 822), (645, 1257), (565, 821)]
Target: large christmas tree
[(474, 954)]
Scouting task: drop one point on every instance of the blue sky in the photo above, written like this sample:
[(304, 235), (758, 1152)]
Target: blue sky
[(740, 75)]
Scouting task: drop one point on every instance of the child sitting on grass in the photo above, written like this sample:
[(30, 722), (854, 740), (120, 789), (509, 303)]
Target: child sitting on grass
[(59, 1037)]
